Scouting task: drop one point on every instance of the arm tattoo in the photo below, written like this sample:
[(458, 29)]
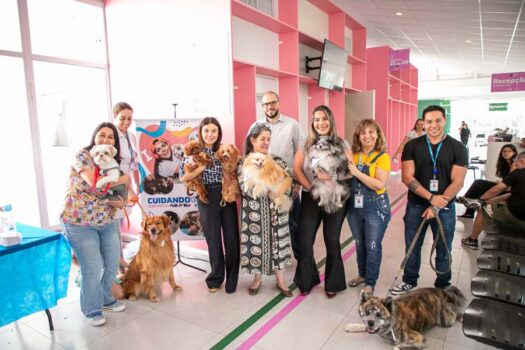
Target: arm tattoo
[(413, 185)]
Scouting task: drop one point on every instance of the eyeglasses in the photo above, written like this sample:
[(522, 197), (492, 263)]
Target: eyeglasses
[(271, 103)]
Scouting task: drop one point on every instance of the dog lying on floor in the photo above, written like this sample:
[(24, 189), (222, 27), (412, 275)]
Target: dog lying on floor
[(400, 321), (153, 264)]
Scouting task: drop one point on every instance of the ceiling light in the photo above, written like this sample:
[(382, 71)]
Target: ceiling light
[(468, 41), (399, 13)]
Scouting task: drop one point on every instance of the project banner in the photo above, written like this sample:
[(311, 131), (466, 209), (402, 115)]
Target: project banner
[(161, 148), (508, 82)]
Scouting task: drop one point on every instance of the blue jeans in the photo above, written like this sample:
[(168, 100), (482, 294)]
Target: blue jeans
[(368, 226), (412, 221), (97, 249)]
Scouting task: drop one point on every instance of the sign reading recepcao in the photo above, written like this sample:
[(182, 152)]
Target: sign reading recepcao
[(498, 107), (508, 82), (399, 59), (161, 148)]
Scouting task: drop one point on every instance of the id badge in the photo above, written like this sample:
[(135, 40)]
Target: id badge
[(358, 201), (434, 184)]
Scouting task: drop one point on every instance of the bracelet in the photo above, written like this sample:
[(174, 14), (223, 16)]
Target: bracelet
[(430, 199)]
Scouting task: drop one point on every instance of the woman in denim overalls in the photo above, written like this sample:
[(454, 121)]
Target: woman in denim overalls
[(368, 208)]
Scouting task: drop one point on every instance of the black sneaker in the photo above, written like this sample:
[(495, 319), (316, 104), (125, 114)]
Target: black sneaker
[(402, 288), (471, 203), (470, 243)]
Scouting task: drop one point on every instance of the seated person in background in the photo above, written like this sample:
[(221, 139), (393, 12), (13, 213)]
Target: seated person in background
[(504, 166), (508, 210)]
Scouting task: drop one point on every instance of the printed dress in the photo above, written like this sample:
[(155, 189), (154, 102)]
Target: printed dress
[(265, 234)]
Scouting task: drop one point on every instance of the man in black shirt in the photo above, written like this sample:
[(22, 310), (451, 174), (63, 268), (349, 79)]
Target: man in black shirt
[(434, 168), (508, 210)]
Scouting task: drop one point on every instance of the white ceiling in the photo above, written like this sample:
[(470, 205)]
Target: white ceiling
[(437, 32)]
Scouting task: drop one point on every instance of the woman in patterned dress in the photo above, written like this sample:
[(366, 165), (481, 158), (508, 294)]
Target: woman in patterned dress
[(265, 234), (88, 222)]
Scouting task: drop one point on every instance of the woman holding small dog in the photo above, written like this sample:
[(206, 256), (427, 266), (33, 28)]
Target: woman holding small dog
[(265, 234), (311, 214), (213, 216), (369, 206), (88, 222)]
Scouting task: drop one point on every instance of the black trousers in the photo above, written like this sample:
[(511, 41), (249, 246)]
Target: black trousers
[(306, 275), (293, 220), (475, 191), (214, 219)]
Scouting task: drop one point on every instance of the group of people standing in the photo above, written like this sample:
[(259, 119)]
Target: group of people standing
[(261, 242)]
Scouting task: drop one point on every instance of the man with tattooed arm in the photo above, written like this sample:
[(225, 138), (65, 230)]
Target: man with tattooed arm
[(434, 168)]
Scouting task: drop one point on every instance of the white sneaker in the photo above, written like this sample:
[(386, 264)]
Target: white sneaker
[(402, 288), (117, 306), (96, 321)]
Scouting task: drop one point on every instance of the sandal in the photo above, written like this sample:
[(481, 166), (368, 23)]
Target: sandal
[(354, 282), (368, 289)]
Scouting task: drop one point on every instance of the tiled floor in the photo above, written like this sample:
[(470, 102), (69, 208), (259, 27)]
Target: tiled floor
[(196, 319)]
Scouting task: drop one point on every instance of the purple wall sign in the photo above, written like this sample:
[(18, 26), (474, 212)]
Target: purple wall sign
[(399, 59), (508, 82)]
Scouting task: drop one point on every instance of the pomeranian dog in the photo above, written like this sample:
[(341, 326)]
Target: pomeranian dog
[(196, 157), (153, 264), (262, 177), (328, 155), (401, 320), (229, 157)]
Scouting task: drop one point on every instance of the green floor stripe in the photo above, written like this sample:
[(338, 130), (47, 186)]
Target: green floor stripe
[(230, 337)]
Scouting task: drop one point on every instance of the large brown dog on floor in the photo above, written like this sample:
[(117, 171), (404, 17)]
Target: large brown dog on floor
[(153, 264), (401, 320)]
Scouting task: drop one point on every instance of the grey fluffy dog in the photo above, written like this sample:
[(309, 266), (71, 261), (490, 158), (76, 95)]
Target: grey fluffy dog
[(328, 155)]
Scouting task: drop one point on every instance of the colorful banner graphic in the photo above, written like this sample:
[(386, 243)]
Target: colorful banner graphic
[(508, 82), (399, 59), (161, 148)]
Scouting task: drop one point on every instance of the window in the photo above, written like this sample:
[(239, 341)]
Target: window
[(65, 69)]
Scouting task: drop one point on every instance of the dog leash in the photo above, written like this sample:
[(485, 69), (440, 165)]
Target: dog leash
[(441, 233)]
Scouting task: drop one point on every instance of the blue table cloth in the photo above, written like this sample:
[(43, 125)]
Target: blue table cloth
[(33, 274)]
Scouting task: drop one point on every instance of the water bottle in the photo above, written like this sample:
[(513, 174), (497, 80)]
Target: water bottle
[(7, 221)]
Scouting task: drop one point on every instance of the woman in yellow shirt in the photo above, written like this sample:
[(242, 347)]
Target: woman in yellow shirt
[(368, 208)]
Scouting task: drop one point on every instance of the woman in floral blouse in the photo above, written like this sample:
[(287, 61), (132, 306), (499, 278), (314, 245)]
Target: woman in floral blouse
[(88, 221)]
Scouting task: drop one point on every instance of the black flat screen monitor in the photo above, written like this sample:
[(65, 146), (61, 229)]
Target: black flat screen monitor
[(333, 67)]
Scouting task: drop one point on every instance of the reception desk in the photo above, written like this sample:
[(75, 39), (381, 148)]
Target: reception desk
[(493, 150), (33, 274)]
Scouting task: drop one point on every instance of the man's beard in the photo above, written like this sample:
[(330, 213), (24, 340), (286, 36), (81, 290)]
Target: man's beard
[(272, 115)]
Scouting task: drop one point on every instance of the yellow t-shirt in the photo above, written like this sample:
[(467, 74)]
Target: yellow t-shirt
[(383, 163)]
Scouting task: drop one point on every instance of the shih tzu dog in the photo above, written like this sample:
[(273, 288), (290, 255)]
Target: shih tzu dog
[(103, 156), (328, 155)]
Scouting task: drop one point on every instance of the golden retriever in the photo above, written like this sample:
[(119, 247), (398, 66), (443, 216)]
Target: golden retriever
[(153, 264), (263, 177), (228, 155)]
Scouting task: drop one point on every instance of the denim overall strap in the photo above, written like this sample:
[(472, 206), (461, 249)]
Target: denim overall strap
[(357, 186)]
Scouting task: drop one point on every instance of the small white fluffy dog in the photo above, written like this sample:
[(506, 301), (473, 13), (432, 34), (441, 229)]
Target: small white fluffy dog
[(103, 156)]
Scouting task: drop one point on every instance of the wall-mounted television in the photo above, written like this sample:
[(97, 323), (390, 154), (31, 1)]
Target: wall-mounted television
[(333, 67)]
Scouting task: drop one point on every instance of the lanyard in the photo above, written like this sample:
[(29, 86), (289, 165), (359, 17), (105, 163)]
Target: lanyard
[(434, 158), (131, 152), (360, 164)]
